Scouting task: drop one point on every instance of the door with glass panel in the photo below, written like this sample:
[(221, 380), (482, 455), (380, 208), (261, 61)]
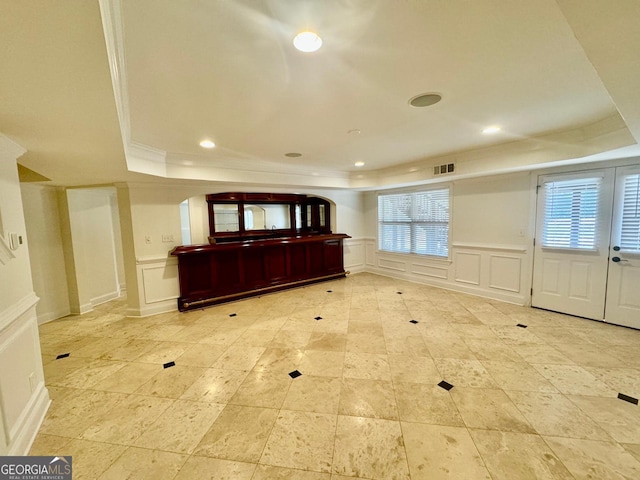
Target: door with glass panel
[(587, 252), (571, 254), (623, 287)]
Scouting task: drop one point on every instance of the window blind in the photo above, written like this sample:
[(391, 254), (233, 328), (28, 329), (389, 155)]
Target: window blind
[(570, 213), (630, 228), (416, 222)]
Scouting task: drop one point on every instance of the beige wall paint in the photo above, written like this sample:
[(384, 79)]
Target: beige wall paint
[(46, 250)]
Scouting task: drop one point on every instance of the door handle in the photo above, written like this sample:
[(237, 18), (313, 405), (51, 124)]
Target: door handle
[(618, 259)]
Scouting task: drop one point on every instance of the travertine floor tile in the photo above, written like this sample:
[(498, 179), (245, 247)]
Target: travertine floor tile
[(302, 440), (442, 453), (156, 465), (215, 386), (413, 369), (79, 410), (554, 414), (201, 355), (309, 393), (267, 472), (368, 398), (370, 448), (426, 404), (238, 358), (124, 423), (618, 418), (591, 459), (239, 433), (91, 459), (489, 409), (518, 376), (321, 363), (464, 373), (559, 378), (45, 445), (181, 427), (262, 389), (171, 382), (523, 456), (204, 468), (545, 354), (129, 378), (366, 366), (575, 380)]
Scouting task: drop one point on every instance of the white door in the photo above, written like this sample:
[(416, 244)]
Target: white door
[(571, 254), (623, 289)]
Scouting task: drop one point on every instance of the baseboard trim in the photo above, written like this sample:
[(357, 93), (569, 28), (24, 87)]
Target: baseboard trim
[(107, 297), (165, 306), (51, 316), (455, 287)]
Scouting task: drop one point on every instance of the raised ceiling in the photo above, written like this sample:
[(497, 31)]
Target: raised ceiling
[(187, 70)]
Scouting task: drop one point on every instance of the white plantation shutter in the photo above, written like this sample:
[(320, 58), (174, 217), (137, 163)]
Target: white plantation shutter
[(415, 222), (570, 213), (630, 229), (394, 223)]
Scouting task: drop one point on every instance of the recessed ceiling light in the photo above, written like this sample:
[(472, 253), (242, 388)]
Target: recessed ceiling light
[(359, 163), (307, 42), (207, 144), (293, 154), (491, 129), (354, 131), (425, 99)]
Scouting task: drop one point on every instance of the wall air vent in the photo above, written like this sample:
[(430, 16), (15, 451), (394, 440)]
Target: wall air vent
[(442, 169)]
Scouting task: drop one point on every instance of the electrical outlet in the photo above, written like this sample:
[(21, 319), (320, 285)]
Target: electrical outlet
[(167, 238), (147, 239)]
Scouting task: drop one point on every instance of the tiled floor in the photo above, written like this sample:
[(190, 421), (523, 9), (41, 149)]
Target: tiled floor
[(527, 403)]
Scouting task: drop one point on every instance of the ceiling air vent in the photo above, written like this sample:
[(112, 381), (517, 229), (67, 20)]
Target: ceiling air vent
[(442, 169)]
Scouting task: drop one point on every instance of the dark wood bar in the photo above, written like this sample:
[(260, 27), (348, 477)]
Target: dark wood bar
[(221, 272)]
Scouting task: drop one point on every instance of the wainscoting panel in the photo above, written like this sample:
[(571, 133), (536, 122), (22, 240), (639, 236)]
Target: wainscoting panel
[(370, 252), (430, 271), (505, 272), (158, 285), (467, 267), (493, 271), (24, 400), (354, 254), (389, 264)]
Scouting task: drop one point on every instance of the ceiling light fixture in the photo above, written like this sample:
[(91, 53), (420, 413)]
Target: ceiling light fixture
[(307, 42), (207, 144), (293, 154), (359, 163), (491, 130), (425, 99)]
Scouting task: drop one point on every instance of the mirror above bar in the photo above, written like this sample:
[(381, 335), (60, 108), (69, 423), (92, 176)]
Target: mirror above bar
[(237, 216)]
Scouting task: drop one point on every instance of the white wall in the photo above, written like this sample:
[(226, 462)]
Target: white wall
[(23, 397), (489, 236), (45, 250), (93, 241)]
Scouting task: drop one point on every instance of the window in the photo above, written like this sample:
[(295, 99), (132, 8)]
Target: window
[(630, 231), (570, 213), (414, 222)]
